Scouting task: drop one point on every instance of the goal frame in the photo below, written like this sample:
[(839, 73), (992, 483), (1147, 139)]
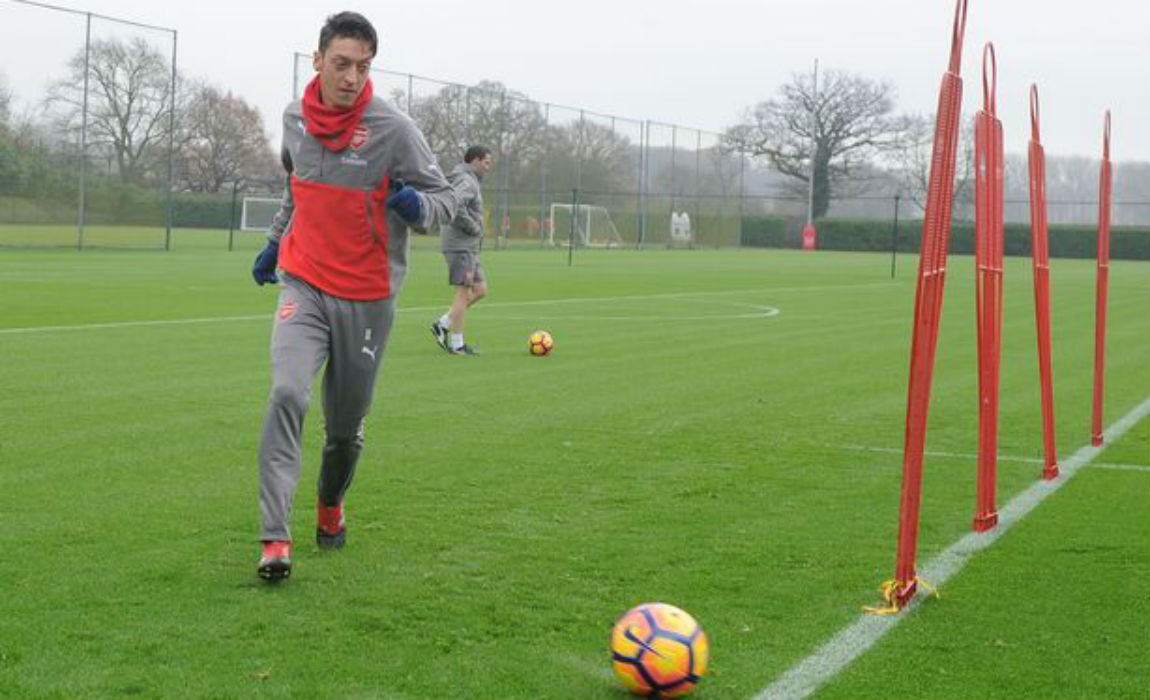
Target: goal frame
[(585, 234), (245, 225)]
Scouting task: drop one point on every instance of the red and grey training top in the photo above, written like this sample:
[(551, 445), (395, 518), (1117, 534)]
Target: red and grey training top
[(336, 232)]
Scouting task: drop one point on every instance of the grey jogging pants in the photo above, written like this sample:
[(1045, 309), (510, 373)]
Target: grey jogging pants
[(312, 327)]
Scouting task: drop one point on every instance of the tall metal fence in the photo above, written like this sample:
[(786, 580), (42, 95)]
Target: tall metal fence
[(567, 175), (91, 163), (75, 172)]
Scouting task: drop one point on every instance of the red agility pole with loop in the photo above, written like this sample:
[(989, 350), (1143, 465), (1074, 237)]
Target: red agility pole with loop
[(1040, 254), (927, 308), (1103, 283), (988, 226)]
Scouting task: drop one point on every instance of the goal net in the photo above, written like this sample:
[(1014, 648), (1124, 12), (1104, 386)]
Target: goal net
[(258, 213), (593, 227)]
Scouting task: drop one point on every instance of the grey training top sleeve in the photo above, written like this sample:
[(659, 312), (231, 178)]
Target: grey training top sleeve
[(414, 163), (282, 217), (287, 205)]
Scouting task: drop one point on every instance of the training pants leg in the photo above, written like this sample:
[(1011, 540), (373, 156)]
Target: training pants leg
[(311, 327)]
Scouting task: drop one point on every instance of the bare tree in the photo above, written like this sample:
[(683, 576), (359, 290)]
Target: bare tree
[(497, 114), (488, 114), (441, 118), (222, 141), (508, 123), (722, 174), (5, 103), (9, 172), (1072, 189), (841, 126), (128, 102), (593, 154), (911, 156)]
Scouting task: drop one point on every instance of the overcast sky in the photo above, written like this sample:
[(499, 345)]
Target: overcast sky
[(692, 63)]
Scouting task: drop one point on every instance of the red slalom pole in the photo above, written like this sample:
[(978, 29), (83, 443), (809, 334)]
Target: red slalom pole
[(927, 308), (1103, 282), (988, 231), (1040, 255)]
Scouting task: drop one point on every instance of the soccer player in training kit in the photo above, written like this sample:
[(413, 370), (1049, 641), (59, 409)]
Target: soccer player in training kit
[(359, 173), (461, 242)]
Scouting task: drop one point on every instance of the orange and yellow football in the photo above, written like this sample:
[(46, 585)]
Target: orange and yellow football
[(658, 650), (540, 343)]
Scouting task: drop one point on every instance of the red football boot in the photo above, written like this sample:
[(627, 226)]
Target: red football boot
[(330, 531), (275, 561)]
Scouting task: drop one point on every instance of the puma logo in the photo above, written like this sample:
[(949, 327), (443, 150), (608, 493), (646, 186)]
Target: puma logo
[(370, 352)]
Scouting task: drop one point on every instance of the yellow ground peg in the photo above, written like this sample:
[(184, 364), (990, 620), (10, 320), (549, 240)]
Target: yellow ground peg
[(891, 594)]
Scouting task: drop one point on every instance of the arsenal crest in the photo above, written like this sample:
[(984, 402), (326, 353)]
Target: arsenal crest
[(286, 310), (359, 137)]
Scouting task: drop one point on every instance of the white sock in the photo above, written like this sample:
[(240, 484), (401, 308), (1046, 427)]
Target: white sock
[(445, 321), (456, 341)]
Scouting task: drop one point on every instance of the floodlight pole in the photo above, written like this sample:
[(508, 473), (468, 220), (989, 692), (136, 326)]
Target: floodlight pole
[(742, 191), (543, 179), (639, 222), (698, 185), (84, 138), (467, 115), (674, 147), (232, 215), (894, 235), (501, 201), (814, 145), (648, 190), (171, 150), (580, 147), (571, 238), (610, 184)]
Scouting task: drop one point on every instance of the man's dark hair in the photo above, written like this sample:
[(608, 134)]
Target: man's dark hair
[(351, 25), (476, 153)]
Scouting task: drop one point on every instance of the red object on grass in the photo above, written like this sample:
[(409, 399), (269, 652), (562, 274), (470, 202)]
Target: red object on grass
[(1040, 254), (927, 308), (988, 225), (1103, 284), (810, 237)]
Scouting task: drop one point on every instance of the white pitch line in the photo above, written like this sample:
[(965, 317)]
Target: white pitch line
[(410, 309), (1122, 467), (761, 311), (841, 650), (131, 324), (1001, 458)]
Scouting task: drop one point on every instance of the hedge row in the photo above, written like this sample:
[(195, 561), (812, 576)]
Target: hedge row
[(124, 206), (769, 232), (204, 211), (1066, 241)]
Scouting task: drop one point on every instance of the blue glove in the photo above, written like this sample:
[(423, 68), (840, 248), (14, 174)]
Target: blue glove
[(405, 201), (264, 269)]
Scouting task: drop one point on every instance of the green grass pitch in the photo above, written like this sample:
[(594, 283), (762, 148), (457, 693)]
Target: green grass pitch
[(720, 430)]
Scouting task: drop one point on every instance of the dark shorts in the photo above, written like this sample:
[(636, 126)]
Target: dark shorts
[(463, 268)]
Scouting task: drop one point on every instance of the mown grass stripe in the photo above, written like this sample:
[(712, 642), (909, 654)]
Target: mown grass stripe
[(811, 673)]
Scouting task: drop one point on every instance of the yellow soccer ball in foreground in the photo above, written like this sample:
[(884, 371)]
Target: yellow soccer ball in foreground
[(658, 650)]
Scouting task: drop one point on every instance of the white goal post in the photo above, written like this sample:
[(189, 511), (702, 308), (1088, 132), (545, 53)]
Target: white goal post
[(593, 226), (258, 212)]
